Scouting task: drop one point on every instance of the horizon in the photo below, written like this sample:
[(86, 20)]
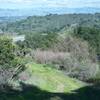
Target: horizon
[(46, 11), (45, 7), (50, 8)]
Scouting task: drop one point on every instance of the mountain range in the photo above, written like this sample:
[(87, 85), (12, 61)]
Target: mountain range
[(46, 11)]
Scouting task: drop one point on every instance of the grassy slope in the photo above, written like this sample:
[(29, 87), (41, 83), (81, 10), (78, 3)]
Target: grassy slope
[(49, 84), (49, 79)]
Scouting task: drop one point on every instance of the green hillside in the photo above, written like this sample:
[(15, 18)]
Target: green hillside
[(51, 23), (59, 55), (39, 82), (49, 79)]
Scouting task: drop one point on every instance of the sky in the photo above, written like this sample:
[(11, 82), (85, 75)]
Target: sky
[(20, 4)]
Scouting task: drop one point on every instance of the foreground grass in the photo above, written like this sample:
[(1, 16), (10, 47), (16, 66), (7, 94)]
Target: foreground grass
[(51, 80), (40, 82)]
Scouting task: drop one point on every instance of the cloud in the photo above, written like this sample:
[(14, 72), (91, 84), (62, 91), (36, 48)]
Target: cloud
[(73, 3), (52, 3), (16, 1)]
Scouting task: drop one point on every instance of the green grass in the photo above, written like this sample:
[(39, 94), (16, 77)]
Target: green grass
[(50, 79), (42, 82)]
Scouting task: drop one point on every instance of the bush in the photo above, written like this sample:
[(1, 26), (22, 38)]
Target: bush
[(10, 64), (48, 56)]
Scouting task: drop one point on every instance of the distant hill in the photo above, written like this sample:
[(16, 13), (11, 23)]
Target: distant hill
[(45, 11), (52, 23), (11, 19)]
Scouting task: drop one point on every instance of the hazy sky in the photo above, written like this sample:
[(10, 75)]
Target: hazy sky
[(48, 3)]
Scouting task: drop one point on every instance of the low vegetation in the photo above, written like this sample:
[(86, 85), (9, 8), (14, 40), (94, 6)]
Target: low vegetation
[(10, 64)]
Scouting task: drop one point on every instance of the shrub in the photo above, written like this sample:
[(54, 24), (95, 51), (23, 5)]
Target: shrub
[(82, 62), (10, 64), (48, 56)]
